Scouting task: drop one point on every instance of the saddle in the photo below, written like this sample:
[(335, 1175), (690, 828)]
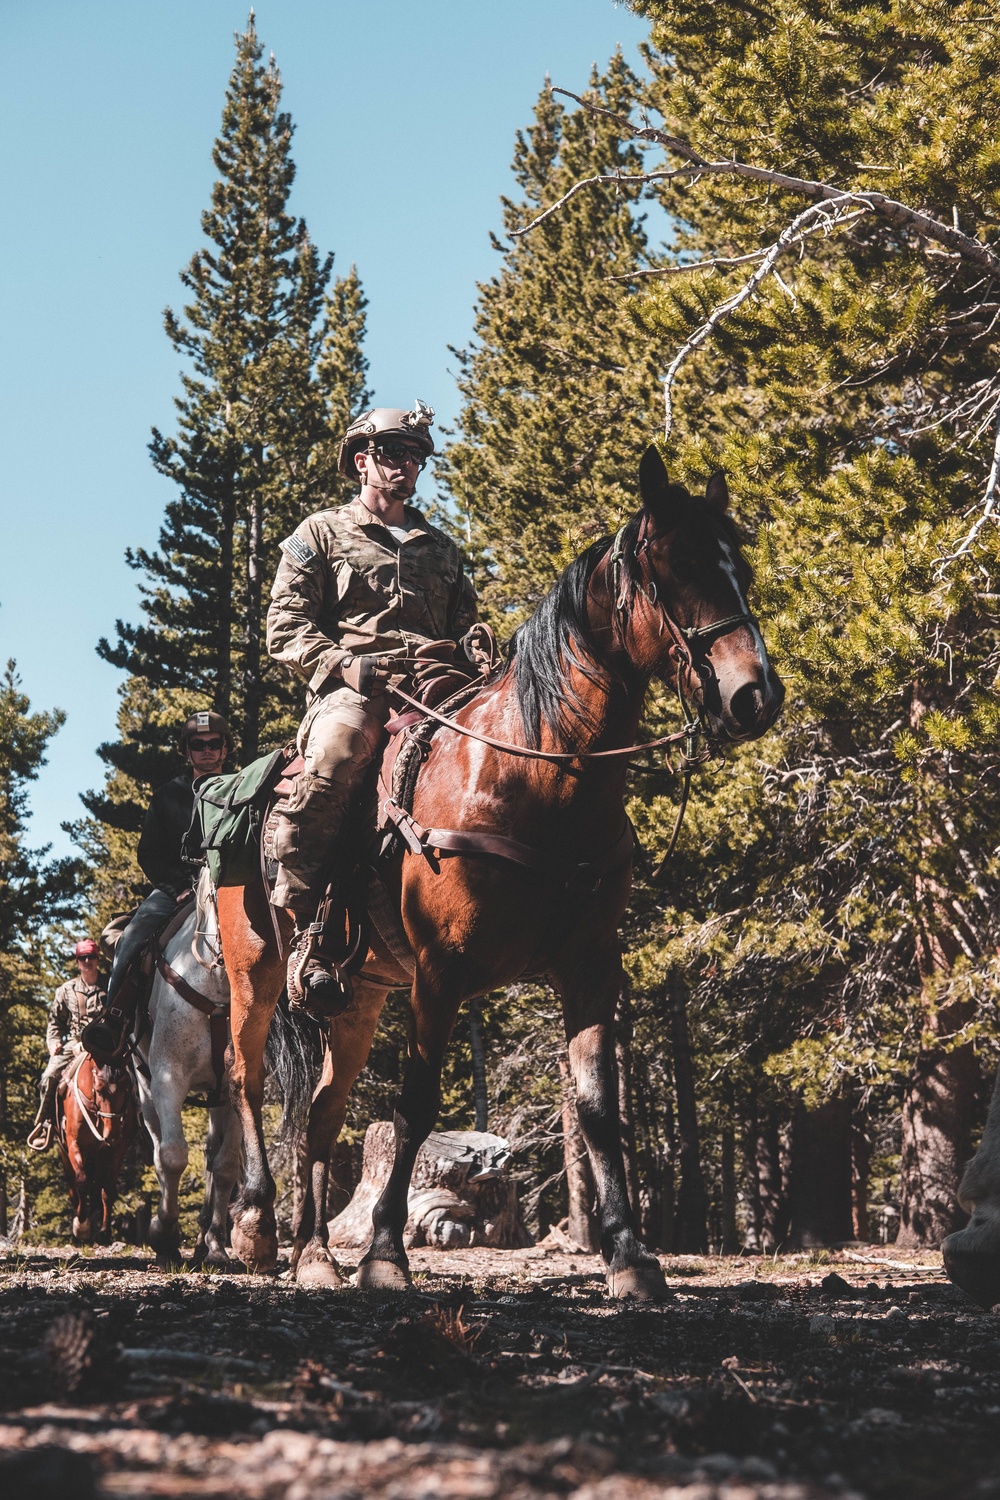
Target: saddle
[(381, 827)]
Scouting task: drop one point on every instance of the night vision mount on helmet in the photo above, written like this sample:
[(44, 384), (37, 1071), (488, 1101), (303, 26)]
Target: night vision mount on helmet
[(386, 422)]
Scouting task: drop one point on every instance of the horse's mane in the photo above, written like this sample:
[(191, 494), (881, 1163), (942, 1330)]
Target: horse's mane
[(558, 632)]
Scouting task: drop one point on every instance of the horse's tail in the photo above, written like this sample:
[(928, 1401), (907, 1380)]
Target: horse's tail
[(293, 1057)]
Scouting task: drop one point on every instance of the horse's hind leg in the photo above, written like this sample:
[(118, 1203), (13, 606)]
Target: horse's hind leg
[(590, 993), (222, 1165), (350, 1042), (385, 1266)]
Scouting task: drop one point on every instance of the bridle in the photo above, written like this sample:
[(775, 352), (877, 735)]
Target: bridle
[(682, 635), (685, 641)]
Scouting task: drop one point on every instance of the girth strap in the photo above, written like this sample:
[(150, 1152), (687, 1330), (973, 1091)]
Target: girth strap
[(218, 1019), (435, 843)]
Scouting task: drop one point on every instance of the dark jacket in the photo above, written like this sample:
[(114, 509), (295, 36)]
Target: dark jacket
[(164, 826)]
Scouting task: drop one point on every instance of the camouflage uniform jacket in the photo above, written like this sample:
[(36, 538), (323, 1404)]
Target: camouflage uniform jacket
[(346, 587), (75, 1004)]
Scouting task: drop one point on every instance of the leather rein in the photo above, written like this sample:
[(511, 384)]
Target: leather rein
[(436, 843), (89, 1107), (684, 636)]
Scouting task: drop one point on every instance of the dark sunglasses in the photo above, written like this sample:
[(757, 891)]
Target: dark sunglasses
[(400, 453), (194, 743)]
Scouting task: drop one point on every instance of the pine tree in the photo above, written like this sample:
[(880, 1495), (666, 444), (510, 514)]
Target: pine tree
[(843, 932), (274, 373), (560, 392), (35, 893)]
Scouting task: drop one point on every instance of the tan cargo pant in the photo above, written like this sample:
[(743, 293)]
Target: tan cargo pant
[(340, 735)]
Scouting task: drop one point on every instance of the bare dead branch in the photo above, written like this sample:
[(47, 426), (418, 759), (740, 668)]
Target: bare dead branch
[(716, 261), (987, 509), (790, 235), (900, 215)]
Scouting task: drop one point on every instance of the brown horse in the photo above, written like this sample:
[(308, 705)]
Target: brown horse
[(95, 1121), (666, 597)]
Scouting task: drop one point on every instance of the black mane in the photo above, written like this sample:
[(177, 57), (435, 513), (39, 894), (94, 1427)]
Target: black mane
[(558, 632)]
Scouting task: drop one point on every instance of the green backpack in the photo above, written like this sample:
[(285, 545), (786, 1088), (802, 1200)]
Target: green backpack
[(228, 812)]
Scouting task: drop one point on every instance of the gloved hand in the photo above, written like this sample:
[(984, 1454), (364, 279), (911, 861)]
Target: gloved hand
[(438, 671), (367, 675)]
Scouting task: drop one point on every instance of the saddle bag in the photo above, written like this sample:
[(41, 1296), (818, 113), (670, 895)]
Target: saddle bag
[(228, 813)]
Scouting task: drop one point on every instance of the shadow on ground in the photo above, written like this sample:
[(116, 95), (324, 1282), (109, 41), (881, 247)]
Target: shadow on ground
[(503, 1374)]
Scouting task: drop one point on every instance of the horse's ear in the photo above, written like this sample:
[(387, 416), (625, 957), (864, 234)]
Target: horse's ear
[(717, 491), (656, 489)]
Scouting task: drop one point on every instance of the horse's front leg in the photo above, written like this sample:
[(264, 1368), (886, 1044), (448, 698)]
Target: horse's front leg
[(350, 1043), (590, 993), (255, 978), (385, 1266), (163, 1115)]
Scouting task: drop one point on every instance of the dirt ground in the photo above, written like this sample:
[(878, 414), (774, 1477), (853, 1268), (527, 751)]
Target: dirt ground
[(504, 1373)]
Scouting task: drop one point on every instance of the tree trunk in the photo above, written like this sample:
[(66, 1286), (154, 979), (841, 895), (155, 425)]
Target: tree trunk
[(691, 1224), (941, 1091), (820, 1196), (251, 624), (581, 1226), (861, 1153), (937, 1122), (480, 1096), (223, 695), (730, 1240), (626, 1115), (766, 1186)]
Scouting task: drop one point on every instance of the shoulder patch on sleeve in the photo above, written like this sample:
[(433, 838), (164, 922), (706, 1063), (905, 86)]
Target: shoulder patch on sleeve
[(299, 551)]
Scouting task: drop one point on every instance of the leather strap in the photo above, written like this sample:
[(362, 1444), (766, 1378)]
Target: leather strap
[(523, 750), (436, 843), (218, 1018)]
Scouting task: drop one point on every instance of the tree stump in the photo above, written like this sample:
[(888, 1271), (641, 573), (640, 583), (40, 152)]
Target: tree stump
[(461, 1193)]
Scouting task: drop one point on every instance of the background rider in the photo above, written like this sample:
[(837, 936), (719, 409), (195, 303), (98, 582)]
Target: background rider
[(205, 742), (75, 1003)]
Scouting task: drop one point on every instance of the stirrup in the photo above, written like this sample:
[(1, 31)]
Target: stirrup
[(315, 983), (40, 1135)]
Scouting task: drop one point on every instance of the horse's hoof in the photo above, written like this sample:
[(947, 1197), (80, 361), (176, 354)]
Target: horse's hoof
[(319, 1274), (976, 1272), (642, 1283), (254, 1242), (383, 1276), (214, 1260), (170, 1260)]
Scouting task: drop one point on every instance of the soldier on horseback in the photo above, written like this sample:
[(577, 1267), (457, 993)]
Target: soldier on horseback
[(75, 1003), (205, 742), (366, 594)]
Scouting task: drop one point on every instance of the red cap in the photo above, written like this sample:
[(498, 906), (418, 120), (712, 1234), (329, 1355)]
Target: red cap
[(86, 948)]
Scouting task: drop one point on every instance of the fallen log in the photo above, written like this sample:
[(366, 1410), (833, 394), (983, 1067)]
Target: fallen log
[(461, 1193)]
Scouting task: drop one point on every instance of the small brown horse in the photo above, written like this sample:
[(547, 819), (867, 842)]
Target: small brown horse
[(666, 597), (95, 1121)]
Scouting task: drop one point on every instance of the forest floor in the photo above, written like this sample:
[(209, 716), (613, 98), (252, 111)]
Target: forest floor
[(502, 1374)]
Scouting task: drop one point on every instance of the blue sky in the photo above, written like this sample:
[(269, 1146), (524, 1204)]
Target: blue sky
[(405, 116)]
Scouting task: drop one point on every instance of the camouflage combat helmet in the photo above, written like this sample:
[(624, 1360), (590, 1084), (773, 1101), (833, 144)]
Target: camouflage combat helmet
[(383, 422), (206, 722)]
